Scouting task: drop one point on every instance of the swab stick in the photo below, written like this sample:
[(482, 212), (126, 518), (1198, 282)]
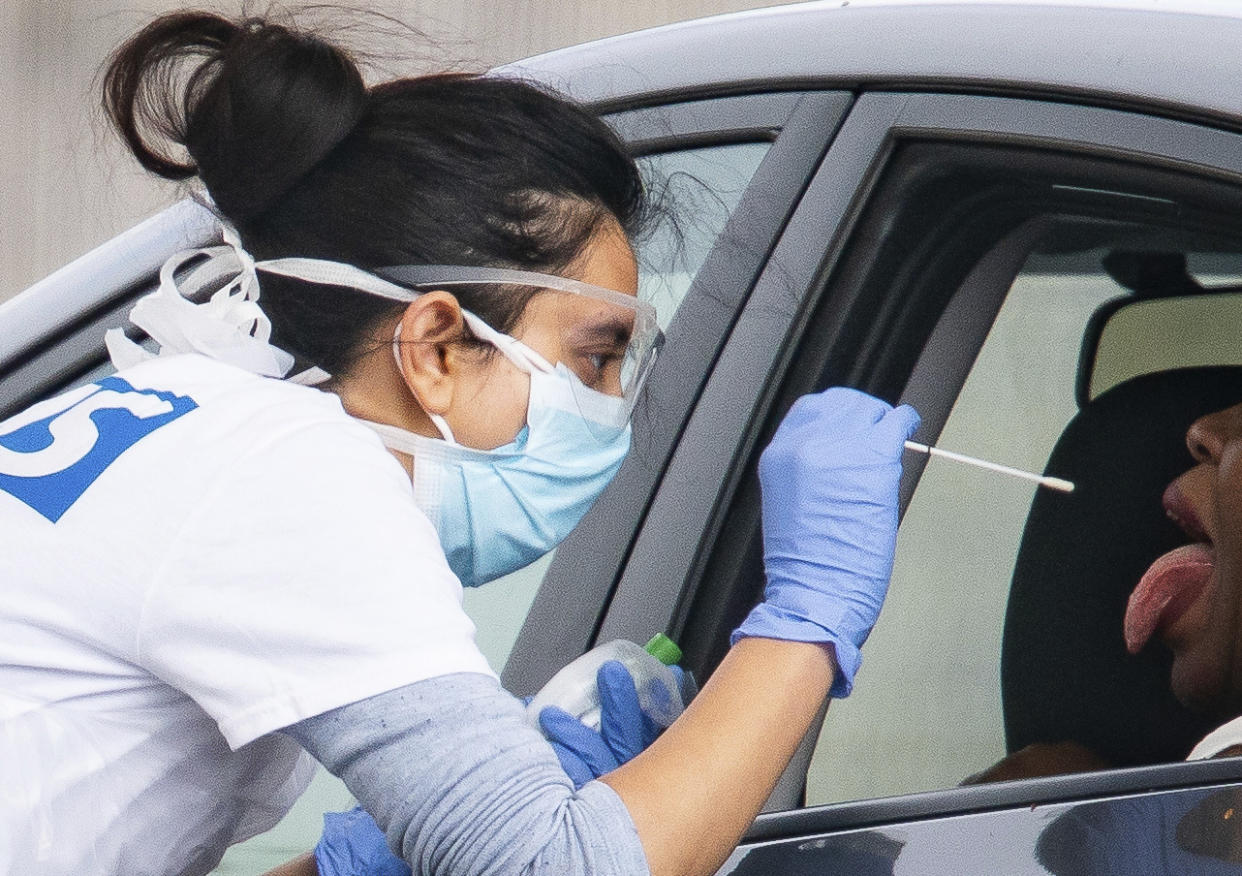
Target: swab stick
[(1043, 480)]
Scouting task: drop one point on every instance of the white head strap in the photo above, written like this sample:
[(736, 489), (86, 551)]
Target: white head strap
[(231, 327)]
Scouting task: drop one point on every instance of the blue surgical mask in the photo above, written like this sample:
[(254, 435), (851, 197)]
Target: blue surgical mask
[(499, 510)]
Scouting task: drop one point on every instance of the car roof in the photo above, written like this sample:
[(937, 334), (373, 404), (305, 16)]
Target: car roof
[(1179, 57)]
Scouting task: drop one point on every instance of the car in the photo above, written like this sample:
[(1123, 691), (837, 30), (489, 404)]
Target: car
[(1020, 217)]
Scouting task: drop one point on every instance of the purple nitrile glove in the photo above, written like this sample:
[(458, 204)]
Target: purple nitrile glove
[(829, 480), (624, 731), (353, 845)]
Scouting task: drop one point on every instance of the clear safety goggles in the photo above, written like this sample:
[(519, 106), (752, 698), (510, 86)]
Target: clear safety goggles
[(608, 340)]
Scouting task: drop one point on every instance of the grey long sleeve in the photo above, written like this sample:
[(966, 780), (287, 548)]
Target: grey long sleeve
[(462, 785)]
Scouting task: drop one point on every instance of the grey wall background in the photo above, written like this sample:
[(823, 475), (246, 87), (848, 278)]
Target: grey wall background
[(65, 183)]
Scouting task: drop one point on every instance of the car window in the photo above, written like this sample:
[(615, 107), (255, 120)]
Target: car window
[(696, 190), (1044, 256)]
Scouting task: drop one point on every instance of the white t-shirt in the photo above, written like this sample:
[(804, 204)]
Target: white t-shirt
[(194, 557), (1225, 736)]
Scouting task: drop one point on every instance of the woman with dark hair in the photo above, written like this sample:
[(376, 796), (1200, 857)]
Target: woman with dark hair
[(250, 546)]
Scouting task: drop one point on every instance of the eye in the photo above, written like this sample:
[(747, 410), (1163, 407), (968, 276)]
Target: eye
[(600, 370)]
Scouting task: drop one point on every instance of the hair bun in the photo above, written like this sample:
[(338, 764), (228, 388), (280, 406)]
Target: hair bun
[(255, 104)]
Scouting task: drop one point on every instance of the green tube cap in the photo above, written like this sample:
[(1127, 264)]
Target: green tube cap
[(664, 649)]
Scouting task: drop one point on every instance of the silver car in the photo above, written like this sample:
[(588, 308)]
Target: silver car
[(1025, 219)]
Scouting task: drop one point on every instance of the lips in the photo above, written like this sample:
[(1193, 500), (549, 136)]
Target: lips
[(1165, 591)]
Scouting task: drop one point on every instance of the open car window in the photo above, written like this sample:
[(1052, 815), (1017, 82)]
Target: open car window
[(1003, 625)]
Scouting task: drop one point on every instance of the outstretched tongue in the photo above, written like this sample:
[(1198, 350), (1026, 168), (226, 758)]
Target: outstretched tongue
[(1166, 590)]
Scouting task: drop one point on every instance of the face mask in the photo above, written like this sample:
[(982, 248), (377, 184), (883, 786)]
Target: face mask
[(499, 510)]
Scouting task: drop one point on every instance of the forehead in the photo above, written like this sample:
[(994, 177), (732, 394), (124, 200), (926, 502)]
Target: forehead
[(580, 317), (608, 261)]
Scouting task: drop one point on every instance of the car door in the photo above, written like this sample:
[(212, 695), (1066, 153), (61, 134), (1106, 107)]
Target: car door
[(948, 252), (725, 175)]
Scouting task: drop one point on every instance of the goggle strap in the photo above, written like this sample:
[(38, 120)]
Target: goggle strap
[(522, 356), (337, 274)]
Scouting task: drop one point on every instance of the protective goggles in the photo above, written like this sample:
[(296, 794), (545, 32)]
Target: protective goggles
[(608, 340)]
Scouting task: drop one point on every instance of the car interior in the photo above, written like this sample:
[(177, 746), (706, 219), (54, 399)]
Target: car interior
[(1104, 320), (1063, 671)]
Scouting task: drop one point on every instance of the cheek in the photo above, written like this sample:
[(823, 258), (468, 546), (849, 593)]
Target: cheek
[(490, 408), (1226, 528), (503, 402), (517, 396)]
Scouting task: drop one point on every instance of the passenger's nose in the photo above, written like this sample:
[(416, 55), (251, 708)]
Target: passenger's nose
[(1207, 435)]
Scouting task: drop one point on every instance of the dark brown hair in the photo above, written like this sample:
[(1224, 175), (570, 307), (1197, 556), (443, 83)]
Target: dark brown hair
[(306, 160)]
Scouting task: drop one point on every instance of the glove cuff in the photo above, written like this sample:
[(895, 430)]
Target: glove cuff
[(766, 621)]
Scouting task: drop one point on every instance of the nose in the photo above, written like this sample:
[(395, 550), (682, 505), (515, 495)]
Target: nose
[(1207, 435)]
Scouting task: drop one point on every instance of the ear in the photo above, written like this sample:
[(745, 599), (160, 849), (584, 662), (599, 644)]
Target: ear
[(430, 326)]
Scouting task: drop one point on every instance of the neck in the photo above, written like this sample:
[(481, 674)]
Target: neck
[(373, 390)]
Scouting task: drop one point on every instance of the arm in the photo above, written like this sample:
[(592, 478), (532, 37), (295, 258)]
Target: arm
[(708, 775), (830, 480), (353, 845), (460, 783), (493, 800)]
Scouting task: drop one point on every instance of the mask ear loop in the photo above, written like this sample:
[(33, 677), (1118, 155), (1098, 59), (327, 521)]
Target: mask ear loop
[(438, 421), (523, 358)]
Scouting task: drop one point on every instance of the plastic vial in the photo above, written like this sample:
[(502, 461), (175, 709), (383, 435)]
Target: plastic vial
[(574, 687)]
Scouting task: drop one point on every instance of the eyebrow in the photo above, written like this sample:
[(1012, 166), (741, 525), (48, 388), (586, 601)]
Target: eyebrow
[(612, 330)]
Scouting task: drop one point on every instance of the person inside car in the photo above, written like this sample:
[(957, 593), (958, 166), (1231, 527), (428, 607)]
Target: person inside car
[(1189, 600)]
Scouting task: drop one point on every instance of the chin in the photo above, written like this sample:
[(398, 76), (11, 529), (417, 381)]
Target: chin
[(1204, 688)]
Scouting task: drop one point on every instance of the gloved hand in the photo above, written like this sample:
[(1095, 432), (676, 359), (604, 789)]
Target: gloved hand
[(353, 845), (624, 730), (829, 482)]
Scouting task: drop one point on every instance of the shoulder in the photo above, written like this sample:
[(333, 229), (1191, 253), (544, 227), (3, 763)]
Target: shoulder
[(251, 444), (239, 412)]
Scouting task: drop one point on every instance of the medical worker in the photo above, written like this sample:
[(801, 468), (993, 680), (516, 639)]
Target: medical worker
[(408, 367)]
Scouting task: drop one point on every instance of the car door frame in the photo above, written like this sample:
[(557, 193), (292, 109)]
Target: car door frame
[(749, 385)]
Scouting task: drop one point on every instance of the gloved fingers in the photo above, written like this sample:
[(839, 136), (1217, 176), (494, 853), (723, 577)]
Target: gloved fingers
[(661, 710), (579, 773), (626, 730), (679, 674), (850, 410), (834, 428), (569, 735), (896, 425), (353, 845), (687, 686)]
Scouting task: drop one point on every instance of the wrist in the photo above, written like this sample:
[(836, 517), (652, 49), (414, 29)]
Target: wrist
[(767, 621)]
